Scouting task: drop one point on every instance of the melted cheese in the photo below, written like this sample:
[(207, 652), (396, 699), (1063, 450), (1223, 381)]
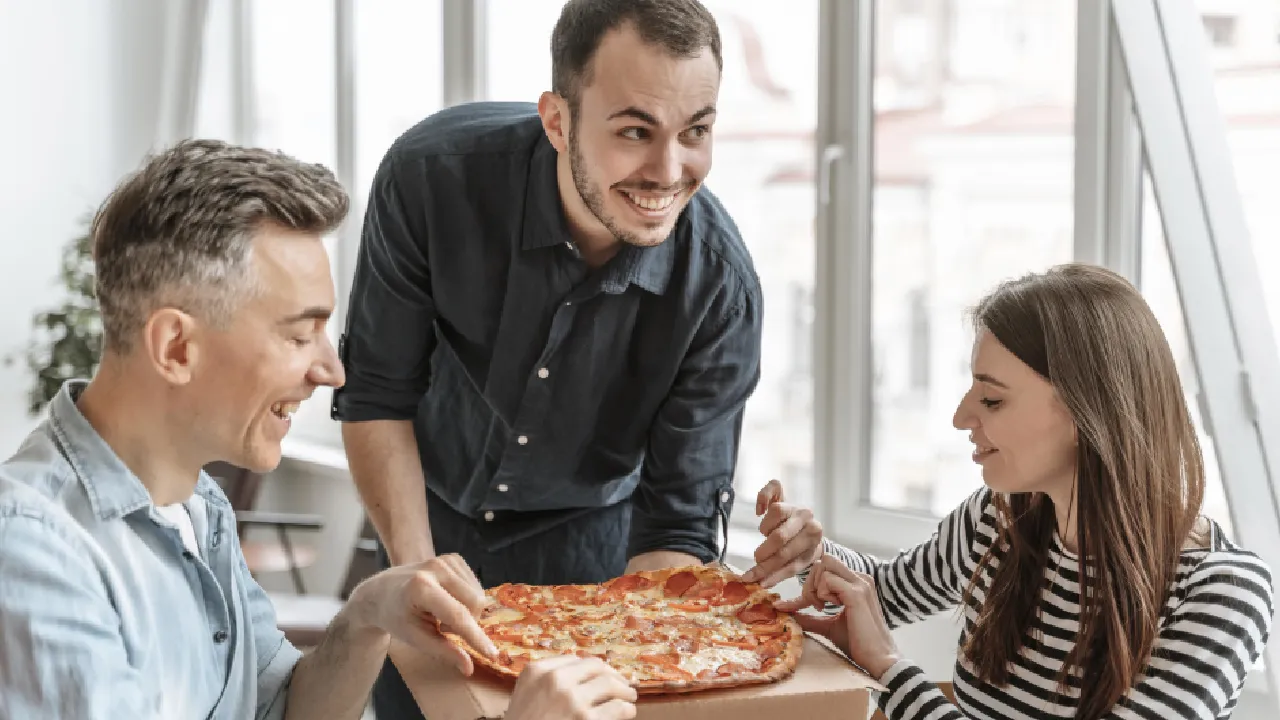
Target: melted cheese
[(503, 615), (713, 657)]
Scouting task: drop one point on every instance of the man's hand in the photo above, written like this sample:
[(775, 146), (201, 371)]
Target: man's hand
[(405, 601), (793, 538), (860, 629), (572, 688)]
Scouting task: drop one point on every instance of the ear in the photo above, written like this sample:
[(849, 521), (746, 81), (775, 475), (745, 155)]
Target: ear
[(170, 343), (554, 111)]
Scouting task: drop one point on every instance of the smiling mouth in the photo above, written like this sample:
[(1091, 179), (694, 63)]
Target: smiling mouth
[(285, 410), (658, 204), (981, 451)]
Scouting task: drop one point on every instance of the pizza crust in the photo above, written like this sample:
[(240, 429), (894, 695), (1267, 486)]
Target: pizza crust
[(781, 667)]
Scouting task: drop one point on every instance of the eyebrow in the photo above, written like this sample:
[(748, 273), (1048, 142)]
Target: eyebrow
[(985, 378), (649, 119), (311, 313)]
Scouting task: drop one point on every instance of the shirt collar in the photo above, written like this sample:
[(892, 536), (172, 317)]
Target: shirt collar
[(113, 490), (545, 226)]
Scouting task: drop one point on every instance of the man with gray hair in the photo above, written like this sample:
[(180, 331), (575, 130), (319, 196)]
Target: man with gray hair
[(123, 590)]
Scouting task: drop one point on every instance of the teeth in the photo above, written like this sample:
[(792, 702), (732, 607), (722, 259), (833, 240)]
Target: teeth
[(648, 203), (284, 410)]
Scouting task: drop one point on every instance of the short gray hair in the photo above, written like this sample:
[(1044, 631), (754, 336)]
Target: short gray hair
[(179, 231)]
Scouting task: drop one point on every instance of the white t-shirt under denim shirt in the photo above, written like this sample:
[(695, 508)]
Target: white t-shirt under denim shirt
[(105, 613)]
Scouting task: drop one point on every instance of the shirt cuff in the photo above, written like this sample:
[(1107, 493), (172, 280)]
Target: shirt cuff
[(273, 682), (909, 692)]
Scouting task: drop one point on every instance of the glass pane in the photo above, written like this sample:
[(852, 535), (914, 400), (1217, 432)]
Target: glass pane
[(398, 77), (973, 168), (763, 173), (293, 72), (519, 48), (1161, 292)]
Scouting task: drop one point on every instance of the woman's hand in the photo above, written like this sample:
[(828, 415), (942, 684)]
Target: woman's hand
[(793, 538), (860, 630)]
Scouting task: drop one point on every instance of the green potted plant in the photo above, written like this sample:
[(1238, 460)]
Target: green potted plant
[(67, 339)]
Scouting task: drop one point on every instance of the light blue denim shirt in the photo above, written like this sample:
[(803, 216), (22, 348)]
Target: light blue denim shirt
[(103, 614)]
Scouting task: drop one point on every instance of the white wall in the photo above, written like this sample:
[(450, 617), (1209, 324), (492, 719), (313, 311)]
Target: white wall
[(78, 89)]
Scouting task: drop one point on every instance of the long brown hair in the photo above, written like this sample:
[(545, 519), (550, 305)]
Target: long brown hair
[(1139, 479)]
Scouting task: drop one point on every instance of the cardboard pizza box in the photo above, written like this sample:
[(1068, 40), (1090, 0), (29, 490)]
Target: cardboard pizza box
[(824, 685)]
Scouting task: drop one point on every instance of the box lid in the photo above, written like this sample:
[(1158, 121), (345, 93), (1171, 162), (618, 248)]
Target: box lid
[(824, 684)]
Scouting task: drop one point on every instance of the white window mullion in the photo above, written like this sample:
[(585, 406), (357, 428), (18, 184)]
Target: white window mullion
[(1108, 148), (464, 36)]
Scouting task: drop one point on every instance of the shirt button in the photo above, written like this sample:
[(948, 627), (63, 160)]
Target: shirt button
[(567, 303), (488, 516), (503, 487), (220, 636), (523, 439), (724, 496), (543, 373)]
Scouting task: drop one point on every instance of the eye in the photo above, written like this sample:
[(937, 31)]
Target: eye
[(698, 132), (634, 133), (302, 341), (990, 403)]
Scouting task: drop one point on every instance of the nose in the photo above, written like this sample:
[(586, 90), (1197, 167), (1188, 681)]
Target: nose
[(964, 417), (667, 166), (327, 370)]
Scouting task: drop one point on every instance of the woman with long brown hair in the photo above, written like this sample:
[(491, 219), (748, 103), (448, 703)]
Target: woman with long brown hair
[(1090, 584)]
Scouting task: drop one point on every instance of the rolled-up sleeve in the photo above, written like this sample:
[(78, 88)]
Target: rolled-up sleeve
[(686, 481), (61, 650), (390, 314), (276, 656)]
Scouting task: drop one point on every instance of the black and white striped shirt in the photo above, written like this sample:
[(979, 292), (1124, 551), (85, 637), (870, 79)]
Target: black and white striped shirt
[(1212, 631)]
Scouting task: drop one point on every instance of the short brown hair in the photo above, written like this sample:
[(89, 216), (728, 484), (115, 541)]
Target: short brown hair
[(178, 232), (682, 28)]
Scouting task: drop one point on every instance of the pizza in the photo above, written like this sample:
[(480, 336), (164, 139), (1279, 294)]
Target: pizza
[(666, 631)]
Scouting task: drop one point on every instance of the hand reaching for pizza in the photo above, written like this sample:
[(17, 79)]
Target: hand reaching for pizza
[(793, 538), (406, 601), (573, 688), (860, 630)]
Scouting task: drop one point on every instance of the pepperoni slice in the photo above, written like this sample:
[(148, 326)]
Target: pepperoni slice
[(758, 613), (707, 589), (570, 593), (518, 662), (629, 583), (635, 623), (733, 593), (731, 668), (513, 596), (677, 585)]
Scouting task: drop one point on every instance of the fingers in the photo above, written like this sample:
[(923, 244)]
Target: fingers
[(831, 564), (429, 596), (457, 579), (424, 637), (768, 495), (775, 515), (603, 684), (854, 592), (823, 625), (614, 710)]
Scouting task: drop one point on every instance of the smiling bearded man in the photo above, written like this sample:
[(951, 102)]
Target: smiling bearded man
[(554, 327)]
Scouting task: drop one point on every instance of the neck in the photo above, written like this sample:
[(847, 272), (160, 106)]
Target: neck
[(1064, 508), (595, 242), (127, 421)]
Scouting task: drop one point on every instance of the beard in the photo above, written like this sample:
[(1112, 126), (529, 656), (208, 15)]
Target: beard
[(593, 197)]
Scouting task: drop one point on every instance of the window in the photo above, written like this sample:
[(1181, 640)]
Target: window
[(972, 185), (519, 48), (270, 79), (1161, 292), (1220, 29)]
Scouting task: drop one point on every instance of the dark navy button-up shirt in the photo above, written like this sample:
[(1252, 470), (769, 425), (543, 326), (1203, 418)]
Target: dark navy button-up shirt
[(537, 384)]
